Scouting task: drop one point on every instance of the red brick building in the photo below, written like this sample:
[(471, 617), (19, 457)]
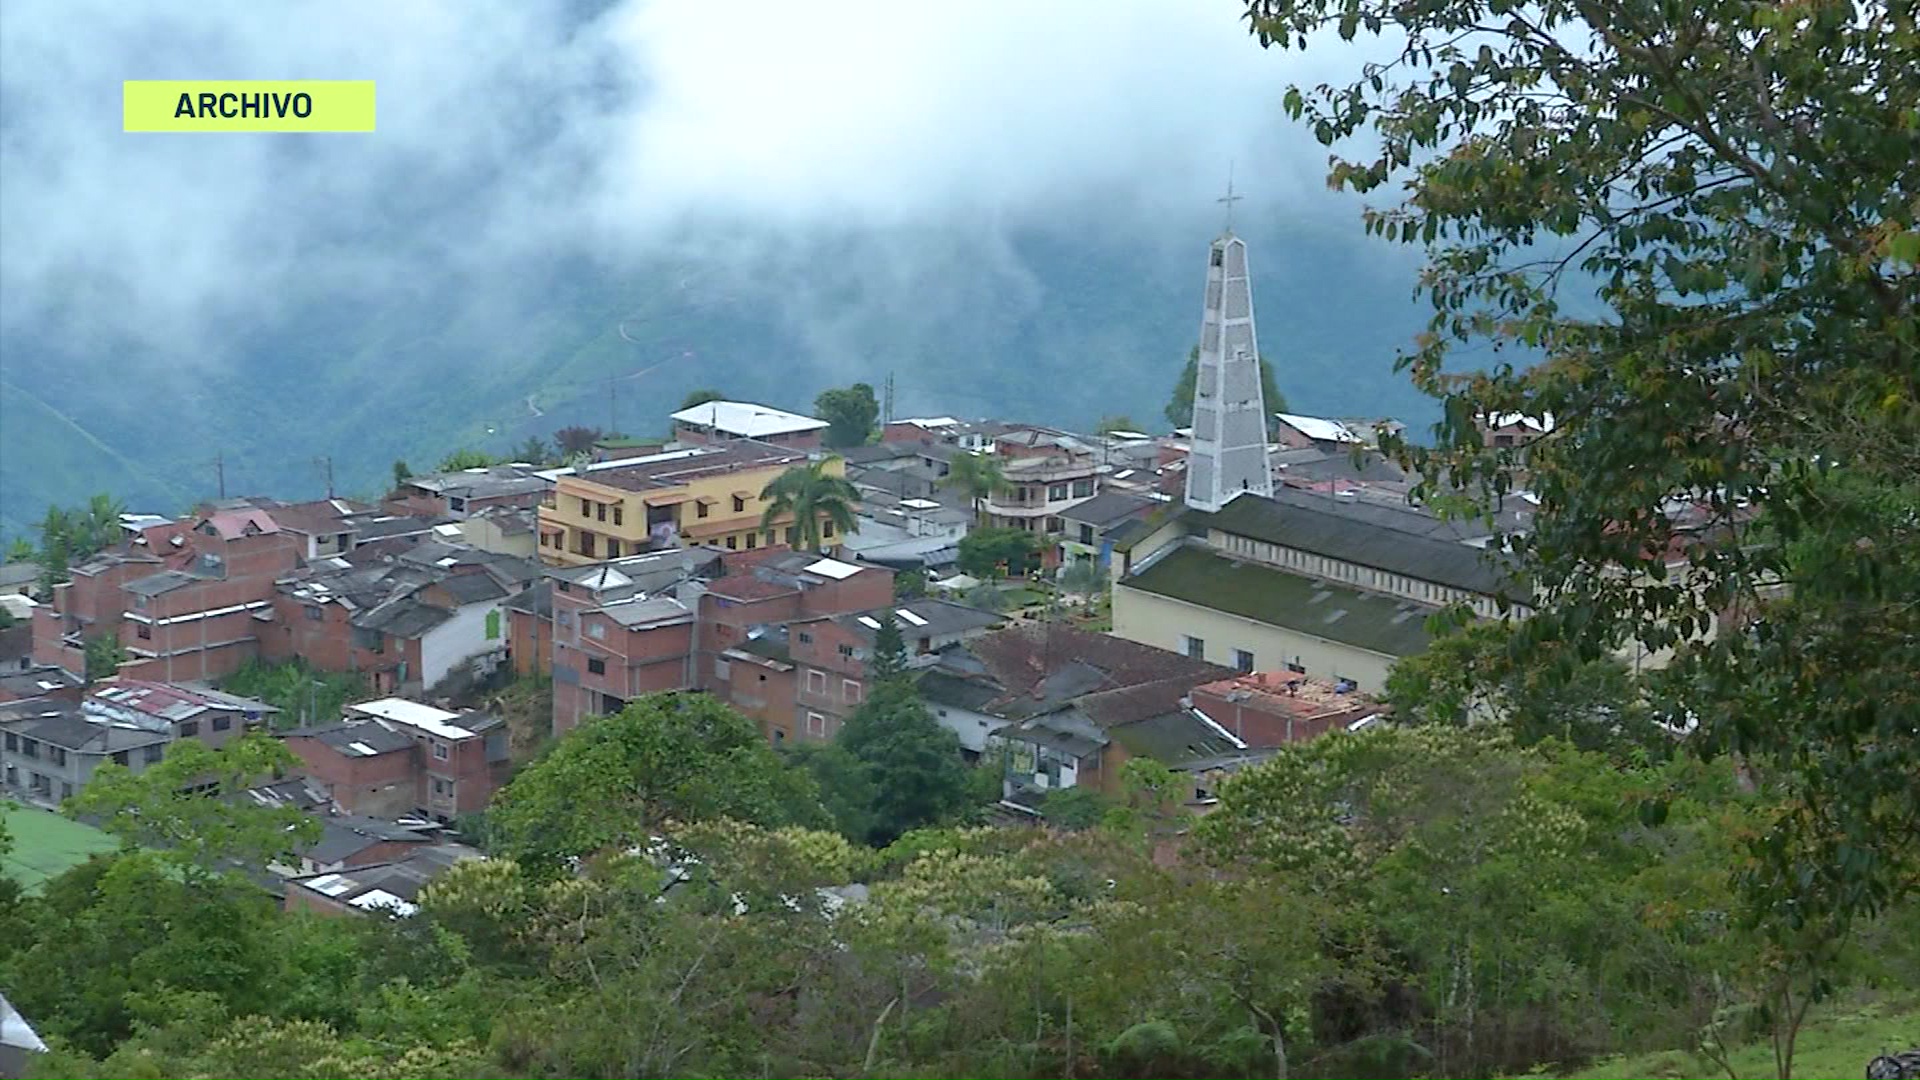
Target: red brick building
[(393, 757), (1276, 708)]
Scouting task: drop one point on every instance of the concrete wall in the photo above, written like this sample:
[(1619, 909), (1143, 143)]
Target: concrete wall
[(1155, 620)]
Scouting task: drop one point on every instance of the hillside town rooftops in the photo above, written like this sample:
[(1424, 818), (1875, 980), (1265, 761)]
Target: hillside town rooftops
[(679, 468)]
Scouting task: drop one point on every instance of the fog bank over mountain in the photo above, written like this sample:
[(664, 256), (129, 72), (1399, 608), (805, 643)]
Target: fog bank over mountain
[(1005, 204)]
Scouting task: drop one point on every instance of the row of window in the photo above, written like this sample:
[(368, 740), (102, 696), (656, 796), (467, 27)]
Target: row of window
[(38, 784), (1243, 659), (597, 511), (1077, 489), (57, 755), (817, 685)]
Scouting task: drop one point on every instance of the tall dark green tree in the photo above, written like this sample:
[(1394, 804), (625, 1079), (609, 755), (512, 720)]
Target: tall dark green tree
[(1179, 410), (701, 397), (889, 660), (912, 762), (851, 411), (1733, 184)]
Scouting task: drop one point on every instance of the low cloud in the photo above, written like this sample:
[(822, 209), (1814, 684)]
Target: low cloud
[(723, 136)]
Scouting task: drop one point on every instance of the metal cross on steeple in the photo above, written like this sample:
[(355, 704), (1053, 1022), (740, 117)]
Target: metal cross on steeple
[(1230, 198)]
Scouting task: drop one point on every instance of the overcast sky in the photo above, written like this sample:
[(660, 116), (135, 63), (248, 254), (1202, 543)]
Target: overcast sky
[(535, 126)]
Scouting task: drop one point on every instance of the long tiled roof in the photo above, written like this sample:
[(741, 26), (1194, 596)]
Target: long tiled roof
[(1209, 579), (1335, 535)]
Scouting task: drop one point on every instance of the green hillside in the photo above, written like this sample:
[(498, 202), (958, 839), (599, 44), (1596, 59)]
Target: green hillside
[(1062, 326)]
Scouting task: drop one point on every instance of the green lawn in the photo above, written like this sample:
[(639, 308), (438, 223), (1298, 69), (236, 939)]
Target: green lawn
[(44, 843), (1838, 1041)]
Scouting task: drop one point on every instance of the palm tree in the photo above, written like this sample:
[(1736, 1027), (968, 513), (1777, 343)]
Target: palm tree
[(810, 493), (100, 528), (978, 474)]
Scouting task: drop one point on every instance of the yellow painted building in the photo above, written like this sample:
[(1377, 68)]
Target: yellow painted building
[(703, 495)]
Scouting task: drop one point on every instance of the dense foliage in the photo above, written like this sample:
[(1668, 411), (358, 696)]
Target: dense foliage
[(1437, 900), (302, 694)]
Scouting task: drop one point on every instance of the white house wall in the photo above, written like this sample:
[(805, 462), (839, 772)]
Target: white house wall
[(457, 640)]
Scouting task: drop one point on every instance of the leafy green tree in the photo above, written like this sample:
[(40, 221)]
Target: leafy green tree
[(302, 694), (889, 661), (846, 790), (1075, 807), (999, 552), (912, 761), (534, 451), (466, 459), (1179, 410), (1084, 576), (1734, 183), (104, 655), (575, 440), (1110, 424), (401, 474), (851, 413), (615, 781), (701, 397), (22, 550), (190, 806), (1470, 675), (979, 475), (986, 597), (910, 584), (811, 494)]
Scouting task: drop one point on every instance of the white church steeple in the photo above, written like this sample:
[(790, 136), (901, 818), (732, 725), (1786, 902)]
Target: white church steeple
[(1229, 452)]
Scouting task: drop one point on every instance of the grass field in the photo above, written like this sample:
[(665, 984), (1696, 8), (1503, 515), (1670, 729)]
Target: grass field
[(1838, 1041), (44, 843)]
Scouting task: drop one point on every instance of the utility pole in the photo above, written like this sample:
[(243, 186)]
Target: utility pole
[(220, 474), (887, 412), (613, 407), (326, 463)]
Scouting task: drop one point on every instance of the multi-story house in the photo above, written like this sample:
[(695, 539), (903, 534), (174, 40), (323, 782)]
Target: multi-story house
[(185, 601), (704, 495), (716, 423), (831, 654), (396, 756), (1087, 529), (467, 491), (1047, 473), (435, 615), (51, 746), (616, 630)]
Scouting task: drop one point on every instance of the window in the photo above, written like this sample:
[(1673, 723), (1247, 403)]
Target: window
[(440, 751), (850, 689), (597, 631), (222, 722), (739, 505), (66, 790), (816, 725), (769, 537), (586, 543), (806, 638), (57, 755), (753, 541), (120, 759), (1053, 524), (701, 509), (1296, 666), (722, 669), (816, 682), (1242, 660), (600, 511), (846, 652), (1082, 488), (1056, 491), (1086, 535), (563, 586), (826, 528), (586, 508), (143, 631), (151, 754), (456, 504), (13, 741), (1197, 648), (793, 535), (613, 548), (189, 729), (733, 543), (596, 666), (619, 514), (315, 612)]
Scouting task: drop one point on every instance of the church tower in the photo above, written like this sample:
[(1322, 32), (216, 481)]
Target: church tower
[(1229, 454)]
